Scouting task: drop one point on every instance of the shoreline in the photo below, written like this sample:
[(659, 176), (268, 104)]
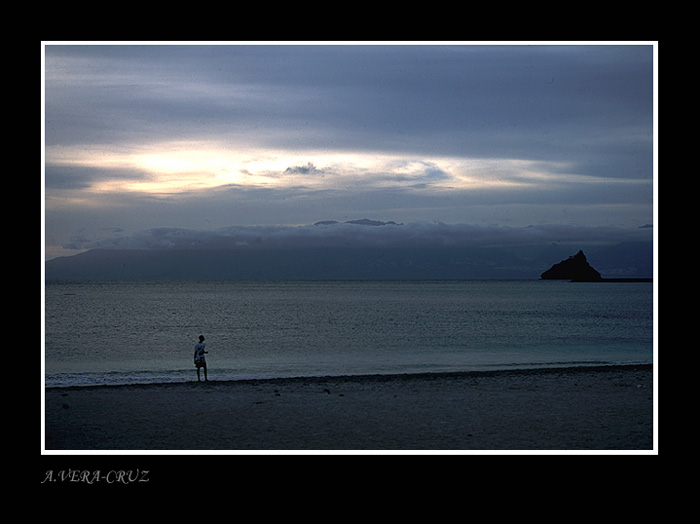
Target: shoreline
[(574, 408), (617, 280), (368, 376)]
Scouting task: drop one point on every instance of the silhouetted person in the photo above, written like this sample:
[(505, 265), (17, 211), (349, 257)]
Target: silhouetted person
[(199, 359)]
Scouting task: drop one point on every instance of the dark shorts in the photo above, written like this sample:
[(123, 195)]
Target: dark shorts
[(200, 363)]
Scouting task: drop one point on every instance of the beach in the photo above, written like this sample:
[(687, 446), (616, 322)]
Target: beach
[(601, 408)]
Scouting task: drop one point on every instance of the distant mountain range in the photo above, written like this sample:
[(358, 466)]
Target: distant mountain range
[(631, 259), (360, 222)]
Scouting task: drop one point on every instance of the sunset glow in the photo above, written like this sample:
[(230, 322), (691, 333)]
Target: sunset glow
[(206, 136)]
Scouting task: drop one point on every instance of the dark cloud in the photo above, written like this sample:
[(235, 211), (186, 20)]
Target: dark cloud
[(308, 169), (68, 177)]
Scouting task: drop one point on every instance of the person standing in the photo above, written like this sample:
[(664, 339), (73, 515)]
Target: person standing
[(199, 359)]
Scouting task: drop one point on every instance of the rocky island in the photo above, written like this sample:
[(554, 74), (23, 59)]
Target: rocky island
[(573, 268), (577, 269)]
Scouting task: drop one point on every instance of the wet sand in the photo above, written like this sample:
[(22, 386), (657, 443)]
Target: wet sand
[(602, 408)]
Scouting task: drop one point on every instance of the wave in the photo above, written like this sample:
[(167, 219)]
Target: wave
[(67, 380)]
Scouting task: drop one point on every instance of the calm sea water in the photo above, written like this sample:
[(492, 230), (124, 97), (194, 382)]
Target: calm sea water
[(141, 332)]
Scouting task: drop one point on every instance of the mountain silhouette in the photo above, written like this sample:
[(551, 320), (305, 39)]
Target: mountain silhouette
[(575, 268)]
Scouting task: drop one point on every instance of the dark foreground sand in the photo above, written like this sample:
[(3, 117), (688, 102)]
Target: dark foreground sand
[(605, 408)]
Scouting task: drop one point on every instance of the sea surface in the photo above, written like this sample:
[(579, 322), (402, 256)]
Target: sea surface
[(101, 333)]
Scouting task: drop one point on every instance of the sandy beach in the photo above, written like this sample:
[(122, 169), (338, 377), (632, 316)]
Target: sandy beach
[(603, 408)]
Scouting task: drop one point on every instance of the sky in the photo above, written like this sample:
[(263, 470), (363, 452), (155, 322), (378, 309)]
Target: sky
[(145, 144)]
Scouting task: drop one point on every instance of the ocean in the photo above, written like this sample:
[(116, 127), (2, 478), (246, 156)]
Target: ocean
[(115, 332)]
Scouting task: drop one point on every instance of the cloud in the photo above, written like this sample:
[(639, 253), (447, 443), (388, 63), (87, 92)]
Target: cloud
[(530, 102), (344, 234), (309, 168), (201, 136)]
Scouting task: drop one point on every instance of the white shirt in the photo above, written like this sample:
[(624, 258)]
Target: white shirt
[(199, 351)]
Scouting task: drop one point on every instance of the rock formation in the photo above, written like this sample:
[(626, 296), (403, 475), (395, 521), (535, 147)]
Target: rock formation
[(574, 268)]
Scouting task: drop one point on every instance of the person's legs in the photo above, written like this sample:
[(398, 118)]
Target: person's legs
[(198, 379), (205, 373)]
